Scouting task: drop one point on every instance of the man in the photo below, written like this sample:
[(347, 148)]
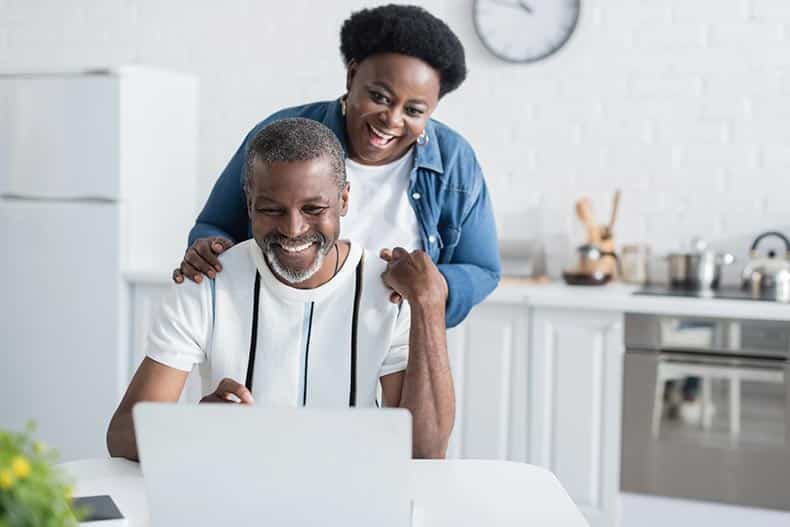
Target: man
[(299, 317)]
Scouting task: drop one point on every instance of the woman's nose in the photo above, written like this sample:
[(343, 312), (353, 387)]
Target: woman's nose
[(393, 119)]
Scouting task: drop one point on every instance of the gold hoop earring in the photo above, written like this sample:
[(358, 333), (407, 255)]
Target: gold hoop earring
[(343, 104), (422, 140)]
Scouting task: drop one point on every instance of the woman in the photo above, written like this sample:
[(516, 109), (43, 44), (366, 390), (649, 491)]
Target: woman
[(415, 183)]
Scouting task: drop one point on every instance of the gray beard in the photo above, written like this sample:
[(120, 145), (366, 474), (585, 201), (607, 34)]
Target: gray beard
[(293, 276)]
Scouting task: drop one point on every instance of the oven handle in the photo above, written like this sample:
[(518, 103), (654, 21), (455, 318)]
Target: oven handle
[(743, 368)]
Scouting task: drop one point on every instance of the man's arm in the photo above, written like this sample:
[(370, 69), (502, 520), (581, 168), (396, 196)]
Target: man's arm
[(179, 334), (426, 388), (152, 382)]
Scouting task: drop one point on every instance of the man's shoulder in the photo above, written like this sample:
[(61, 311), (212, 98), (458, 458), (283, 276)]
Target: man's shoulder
[(375, 291), (237, 254), (236, 261)]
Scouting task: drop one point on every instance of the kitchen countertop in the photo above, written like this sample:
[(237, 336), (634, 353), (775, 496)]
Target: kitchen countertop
[(611, 297), (620, 297)]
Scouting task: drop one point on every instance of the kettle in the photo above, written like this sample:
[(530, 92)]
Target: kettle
[(768, 275)]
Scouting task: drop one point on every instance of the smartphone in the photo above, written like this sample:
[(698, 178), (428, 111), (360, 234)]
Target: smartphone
[(101, 511)]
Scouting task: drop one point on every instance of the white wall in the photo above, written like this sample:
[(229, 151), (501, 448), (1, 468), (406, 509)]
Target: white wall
[(683, 104)]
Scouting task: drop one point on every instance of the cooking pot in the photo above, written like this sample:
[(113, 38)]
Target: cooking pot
[(589, 270), (769, 275), (700, 269), (590, 257)]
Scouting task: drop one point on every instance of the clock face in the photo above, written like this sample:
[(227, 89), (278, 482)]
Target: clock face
[(525, 30)]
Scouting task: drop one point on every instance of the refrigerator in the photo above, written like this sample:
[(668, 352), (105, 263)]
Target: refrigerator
[(97, 179)]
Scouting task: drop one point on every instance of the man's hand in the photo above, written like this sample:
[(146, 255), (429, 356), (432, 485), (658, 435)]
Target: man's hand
[(413, 276), (201, 259), (229, 391)]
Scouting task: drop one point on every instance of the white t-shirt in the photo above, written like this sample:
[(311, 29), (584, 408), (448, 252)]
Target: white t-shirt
[(379, 213), (303, 351)]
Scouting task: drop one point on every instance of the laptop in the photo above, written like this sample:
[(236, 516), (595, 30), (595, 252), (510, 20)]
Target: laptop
[(228, 464)]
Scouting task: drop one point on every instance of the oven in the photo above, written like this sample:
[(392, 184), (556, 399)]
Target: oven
[(706, 409)]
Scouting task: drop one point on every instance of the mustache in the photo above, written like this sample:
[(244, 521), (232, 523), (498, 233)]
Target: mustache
[(284, 241)]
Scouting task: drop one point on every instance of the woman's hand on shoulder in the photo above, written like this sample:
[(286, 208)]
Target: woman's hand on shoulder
[(202, 259)]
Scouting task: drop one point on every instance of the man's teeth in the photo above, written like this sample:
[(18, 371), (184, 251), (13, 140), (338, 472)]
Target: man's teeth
[(296, 248)]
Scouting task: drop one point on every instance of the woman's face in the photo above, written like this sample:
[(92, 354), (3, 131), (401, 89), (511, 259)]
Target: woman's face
[(390, 98)]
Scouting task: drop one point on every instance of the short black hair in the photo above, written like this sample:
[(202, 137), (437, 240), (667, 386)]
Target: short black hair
[(296, 139), (408, 30)]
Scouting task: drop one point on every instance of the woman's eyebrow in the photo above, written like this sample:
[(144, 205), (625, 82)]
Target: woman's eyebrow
[(387, 87)]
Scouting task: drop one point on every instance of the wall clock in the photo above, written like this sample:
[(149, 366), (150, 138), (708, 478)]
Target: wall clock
[(525, 30)]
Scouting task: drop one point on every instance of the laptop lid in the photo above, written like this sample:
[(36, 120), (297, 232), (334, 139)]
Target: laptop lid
[(228, 464)]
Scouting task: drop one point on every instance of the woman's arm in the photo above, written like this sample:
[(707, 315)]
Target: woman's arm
[(225, 212), (474, 269)]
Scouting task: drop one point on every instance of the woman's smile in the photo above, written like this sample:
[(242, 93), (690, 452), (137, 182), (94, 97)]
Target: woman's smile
[(378, 137)]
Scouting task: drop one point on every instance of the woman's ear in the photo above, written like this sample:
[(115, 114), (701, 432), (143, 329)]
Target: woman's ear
[(351, 71)]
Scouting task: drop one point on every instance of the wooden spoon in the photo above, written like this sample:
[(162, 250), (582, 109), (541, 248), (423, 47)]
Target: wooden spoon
[(607, 231), (615, 206), (584, 211)]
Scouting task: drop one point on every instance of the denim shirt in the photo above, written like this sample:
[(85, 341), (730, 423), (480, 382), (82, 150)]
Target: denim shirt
[(446, 190)]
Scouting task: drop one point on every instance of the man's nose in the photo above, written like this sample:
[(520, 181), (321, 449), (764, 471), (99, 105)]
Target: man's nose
[(293, 224)]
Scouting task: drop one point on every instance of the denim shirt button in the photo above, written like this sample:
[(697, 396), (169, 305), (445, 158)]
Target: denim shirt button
[(432, 238), (416, 195)]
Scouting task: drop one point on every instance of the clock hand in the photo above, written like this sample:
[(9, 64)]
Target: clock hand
[(525, 6), (512, 5)]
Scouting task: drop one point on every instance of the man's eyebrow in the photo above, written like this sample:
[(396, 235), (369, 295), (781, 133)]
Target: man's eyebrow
[(315, 198), (265, 198)]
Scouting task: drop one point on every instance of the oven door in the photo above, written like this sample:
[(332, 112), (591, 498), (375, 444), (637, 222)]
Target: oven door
[(708, 427)]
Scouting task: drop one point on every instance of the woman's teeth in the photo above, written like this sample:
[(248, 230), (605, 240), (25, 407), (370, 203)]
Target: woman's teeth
[(378, 137)]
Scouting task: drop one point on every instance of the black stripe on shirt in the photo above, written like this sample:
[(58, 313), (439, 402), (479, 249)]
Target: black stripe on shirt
[(307, 353), (352, 395), (254, 335)]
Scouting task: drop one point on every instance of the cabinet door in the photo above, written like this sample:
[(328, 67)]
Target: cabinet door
[(59, 136), (488, 358), (576, 385), (62, 346)]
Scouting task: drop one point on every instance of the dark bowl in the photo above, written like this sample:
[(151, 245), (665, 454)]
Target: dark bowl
[(593, 278)]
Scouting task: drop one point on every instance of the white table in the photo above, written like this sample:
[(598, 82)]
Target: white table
[(448, 493)]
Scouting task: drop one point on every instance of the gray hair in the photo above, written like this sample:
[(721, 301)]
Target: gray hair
[(296, 139)]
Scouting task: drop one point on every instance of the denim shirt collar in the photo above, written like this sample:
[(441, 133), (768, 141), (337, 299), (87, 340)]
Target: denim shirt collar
[(426, 156)]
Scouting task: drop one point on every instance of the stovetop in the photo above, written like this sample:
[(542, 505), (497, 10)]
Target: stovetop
[(725, 292)]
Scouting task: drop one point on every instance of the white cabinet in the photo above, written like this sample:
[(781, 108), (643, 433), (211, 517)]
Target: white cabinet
[(488, 357), (575, 399), (96, 178)]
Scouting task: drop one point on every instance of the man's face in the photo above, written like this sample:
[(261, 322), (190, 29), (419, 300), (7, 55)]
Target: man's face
[(295, 210)]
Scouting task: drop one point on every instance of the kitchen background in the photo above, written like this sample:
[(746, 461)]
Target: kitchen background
[(682, 104)]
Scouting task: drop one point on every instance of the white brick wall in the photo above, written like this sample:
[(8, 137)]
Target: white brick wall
[(683, 104)]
